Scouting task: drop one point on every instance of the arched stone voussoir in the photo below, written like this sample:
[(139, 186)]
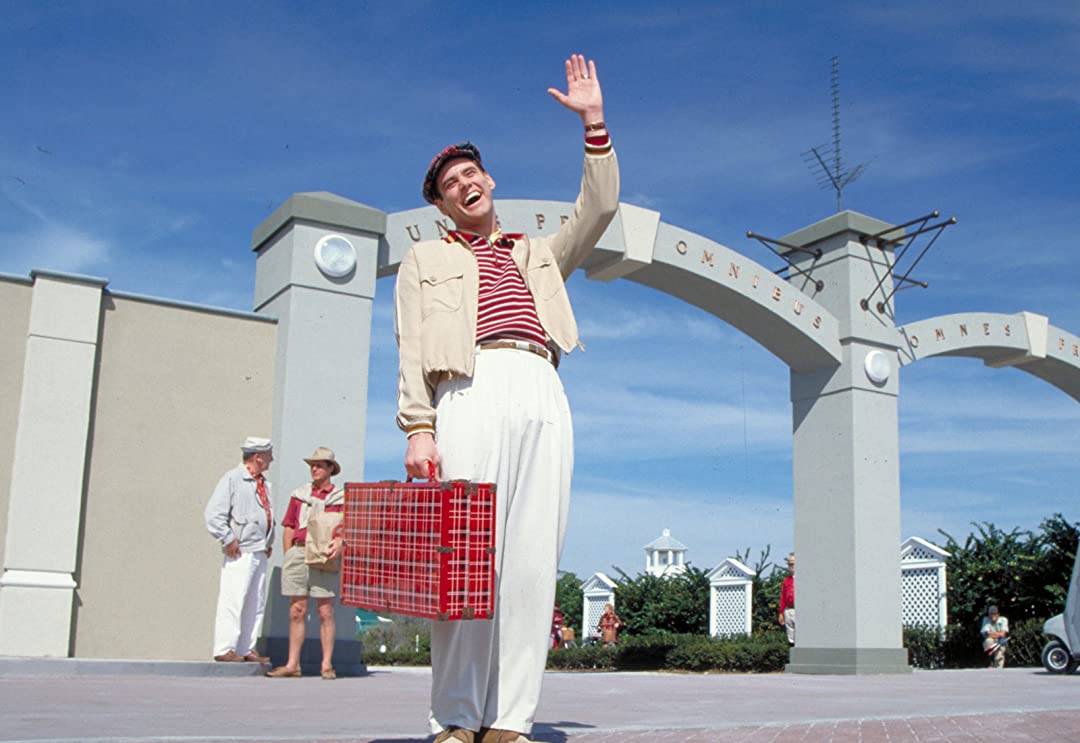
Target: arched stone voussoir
[(1025, 340), (778, 315), (639, 247)]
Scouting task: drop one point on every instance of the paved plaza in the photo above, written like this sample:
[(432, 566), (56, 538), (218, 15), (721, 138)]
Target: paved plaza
[(114, 702)]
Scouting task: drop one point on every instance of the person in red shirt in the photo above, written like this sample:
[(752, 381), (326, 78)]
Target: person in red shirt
[(787, 600), (557, 619), (300, 581)]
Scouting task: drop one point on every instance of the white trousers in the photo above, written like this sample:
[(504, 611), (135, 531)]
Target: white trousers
[(509, 424), (789, 625), (240, 604)]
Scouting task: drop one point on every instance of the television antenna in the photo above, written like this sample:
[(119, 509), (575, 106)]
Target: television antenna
[(825, 161)]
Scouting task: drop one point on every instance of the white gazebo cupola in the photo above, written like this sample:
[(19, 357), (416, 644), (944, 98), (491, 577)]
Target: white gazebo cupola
[(665, 556)]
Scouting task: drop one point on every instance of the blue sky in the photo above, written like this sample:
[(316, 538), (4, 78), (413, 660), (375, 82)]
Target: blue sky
[(143, 142)]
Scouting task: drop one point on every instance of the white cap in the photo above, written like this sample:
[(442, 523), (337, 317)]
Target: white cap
[(254, 444)]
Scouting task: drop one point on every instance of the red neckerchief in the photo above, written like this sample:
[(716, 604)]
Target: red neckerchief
[(264, 498)]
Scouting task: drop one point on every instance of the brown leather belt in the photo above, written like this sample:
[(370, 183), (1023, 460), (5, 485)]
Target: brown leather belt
[(547, 353)]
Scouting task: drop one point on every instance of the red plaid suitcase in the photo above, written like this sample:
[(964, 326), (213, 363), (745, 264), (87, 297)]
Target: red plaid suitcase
[(426, 549)]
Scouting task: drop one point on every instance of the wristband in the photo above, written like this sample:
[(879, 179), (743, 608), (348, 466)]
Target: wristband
[(596, 126)]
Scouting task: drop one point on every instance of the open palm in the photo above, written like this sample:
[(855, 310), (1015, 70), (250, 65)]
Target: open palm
[(582, 94)]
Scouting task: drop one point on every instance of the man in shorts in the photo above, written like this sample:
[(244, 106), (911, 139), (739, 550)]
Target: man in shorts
[(299, 580)]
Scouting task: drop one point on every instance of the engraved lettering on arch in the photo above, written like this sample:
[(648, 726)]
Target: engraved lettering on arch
[(733, 270), (564, 219), (1061, 344), (797, 307), (939, 334), (914, 341), (1008, 331), (539, 221), (442, 228), (776, 293), (963, 330), (414, 232), (681, 247), (706, 257), (817, 322)]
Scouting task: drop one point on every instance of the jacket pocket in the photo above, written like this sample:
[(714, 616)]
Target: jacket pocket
[(441, 291), (545, 279)]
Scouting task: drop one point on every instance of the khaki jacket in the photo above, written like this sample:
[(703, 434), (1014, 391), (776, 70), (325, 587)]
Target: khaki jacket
[(310, 503), (438, 284)]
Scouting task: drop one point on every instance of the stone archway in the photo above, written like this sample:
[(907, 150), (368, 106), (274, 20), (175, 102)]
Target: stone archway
[(842, 357), (1025, 341), (640, 248)]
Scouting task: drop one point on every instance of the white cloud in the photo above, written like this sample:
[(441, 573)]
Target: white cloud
[(55, 247)]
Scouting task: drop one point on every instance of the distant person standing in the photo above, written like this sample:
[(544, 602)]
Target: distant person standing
[(240, 517), (557, 619), (300, 580), (787, 600), (609, 626), (995, 632)]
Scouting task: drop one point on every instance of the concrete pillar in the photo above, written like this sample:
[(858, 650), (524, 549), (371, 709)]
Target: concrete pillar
[(41, 556), (321, 368), (846, 465)]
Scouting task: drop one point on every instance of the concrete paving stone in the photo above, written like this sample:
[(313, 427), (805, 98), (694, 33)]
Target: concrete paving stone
[(69, 701)]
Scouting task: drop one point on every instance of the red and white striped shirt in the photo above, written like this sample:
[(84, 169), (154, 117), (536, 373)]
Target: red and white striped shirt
[(505, 308)]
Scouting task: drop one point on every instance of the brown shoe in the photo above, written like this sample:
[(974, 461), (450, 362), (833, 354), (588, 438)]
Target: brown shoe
[(229, 657), (283, 672), (254, 657), (329, 674), (450, 735), (494, 735)]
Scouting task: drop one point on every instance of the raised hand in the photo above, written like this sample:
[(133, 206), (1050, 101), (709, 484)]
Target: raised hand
[(583, 94)]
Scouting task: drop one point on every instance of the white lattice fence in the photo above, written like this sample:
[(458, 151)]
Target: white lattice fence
[(919, 587), (729, 615), (593, 609), (730, 593), (922, 584)]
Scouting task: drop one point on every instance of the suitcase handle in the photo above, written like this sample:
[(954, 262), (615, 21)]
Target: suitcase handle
[(430, 472)]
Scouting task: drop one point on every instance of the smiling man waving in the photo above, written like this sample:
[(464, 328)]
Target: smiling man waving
[(482, 318)]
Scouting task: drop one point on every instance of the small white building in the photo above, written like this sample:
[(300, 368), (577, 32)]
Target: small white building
[(596, 591), (665, 556), (730, 598), (922, 583)]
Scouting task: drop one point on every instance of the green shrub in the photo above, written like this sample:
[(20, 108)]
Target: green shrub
[(403, 657), (961, 647), (401, 633), (650, 605), (925, 646), (739, 653), (1024, 572), (586, 658), (754, 654), (1026, 641), (648, 652)]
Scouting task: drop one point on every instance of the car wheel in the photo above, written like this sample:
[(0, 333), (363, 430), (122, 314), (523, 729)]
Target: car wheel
[(1056, 658)]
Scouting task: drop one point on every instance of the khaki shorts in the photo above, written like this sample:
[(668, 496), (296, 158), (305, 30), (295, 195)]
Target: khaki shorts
[(297, 579)]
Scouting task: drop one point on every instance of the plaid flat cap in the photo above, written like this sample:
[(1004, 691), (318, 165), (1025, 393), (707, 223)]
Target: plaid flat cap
[(461, 149)]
